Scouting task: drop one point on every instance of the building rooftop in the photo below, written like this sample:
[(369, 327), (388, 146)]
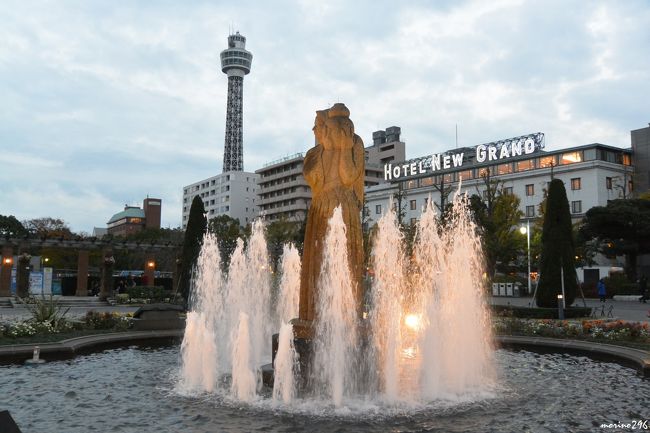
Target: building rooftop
[(129, 212)]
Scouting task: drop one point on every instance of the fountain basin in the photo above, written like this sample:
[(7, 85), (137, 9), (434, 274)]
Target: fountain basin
[(134, 389)]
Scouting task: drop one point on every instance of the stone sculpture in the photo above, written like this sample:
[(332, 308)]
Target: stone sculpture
[(334, 169)]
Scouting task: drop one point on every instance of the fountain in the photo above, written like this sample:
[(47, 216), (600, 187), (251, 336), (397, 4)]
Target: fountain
[(422, 334), (407, 351)]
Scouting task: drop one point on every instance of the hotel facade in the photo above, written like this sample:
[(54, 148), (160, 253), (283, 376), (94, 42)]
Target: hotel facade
[(592, 174)]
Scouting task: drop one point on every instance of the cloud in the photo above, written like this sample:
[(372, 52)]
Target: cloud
[(107, 103)]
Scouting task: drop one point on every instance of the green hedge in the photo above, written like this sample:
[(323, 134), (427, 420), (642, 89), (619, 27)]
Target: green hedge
[(154, 293), (539, 313)]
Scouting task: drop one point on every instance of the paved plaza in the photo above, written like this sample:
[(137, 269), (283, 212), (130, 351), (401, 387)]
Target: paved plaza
[(625, 310)]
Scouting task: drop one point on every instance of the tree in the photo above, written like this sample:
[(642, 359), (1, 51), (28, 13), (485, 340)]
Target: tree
[(227, 230), (196, 228), (165, 257), (558, 250), (498, 219), (444, 189), (48, 228), (399, 201), (621, 228), (11, 227)]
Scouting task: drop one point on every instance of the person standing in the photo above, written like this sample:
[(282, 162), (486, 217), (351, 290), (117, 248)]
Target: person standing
[(643, 289), (602, 292)]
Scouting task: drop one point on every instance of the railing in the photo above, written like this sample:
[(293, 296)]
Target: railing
[(285, 158)]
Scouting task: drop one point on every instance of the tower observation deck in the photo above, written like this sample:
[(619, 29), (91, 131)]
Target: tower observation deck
[(235, 62)]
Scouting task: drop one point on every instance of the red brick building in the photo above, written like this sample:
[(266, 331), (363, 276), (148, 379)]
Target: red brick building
[(134, 219)]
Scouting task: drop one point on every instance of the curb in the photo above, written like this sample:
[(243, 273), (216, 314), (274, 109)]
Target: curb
[(636, 358), (74, 346)]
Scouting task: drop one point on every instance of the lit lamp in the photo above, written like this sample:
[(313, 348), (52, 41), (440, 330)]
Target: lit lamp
[(8, 261), (560, 307), (525, 230), (151, 264)]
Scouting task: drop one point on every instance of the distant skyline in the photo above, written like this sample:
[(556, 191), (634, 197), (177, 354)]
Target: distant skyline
[(103, 103)]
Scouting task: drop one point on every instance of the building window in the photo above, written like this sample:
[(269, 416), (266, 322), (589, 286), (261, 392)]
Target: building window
[(575, 184), (530, 211), (608, 182), (504, 168), (414, 204), (576, 206), (507, 190), (547, 161), (525, 165), (571, 158), (530, 189), (378, 209)]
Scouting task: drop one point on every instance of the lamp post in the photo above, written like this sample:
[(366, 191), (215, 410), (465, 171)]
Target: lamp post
[(526, 230)]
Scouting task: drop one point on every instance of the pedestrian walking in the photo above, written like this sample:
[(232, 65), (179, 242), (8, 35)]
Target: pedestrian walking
[(643, 289), (602, 291)]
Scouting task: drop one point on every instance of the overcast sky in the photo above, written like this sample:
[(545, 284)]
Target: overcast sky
[(105, 102)]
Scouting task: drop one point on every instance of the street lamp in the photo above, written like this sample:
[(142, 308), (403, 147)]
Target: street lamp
[(525, 230)]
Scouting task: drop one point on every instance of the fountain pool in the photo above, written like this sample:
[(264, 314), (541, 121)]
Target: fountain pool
[(133, 390)]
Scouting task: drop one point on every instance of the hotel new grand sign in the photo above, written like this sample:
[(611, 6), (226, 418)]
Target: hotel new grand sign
[(495, 151)]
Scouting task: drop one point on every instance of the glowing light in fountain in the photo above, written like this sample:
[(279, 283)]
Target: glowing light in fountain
[(335, 342), (386, 300), (455, 334)]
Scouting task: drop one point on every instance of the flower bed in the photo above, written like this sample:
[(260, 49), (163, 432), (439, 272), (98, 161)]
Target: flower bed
[(597, 330), (49, 319)]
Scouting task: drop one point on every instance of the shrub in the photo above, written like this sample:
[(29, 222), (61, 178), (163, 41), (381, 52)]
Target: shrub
[(154, 293), (539, 313), (107, 320), (48, 310)]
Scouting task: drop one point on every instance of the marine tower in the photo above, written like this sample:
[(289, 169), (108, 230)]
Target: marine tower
[(235, 62)]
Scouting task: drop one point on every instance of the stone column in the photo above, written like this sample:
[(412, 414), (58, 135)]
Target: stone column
[(22, 275), (5, 272), (106, 289), (149, 269), (177, 274), (82, 273)]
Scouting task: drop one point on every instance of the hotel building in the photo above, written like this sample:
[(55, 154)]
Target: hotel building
[(592, 174)]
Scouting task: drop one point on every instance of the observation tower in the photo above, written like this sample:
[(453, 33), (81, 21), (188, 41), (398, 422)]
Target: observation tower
[(235, 62)]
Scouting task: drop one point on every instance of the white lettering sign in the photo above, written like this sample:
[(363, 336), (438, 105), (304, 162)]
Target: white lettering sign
[(484, 153)]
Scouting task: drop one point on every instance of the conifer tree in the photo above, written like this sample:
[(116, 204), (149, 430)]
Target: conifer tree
[(196, 227), (558, 250)]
